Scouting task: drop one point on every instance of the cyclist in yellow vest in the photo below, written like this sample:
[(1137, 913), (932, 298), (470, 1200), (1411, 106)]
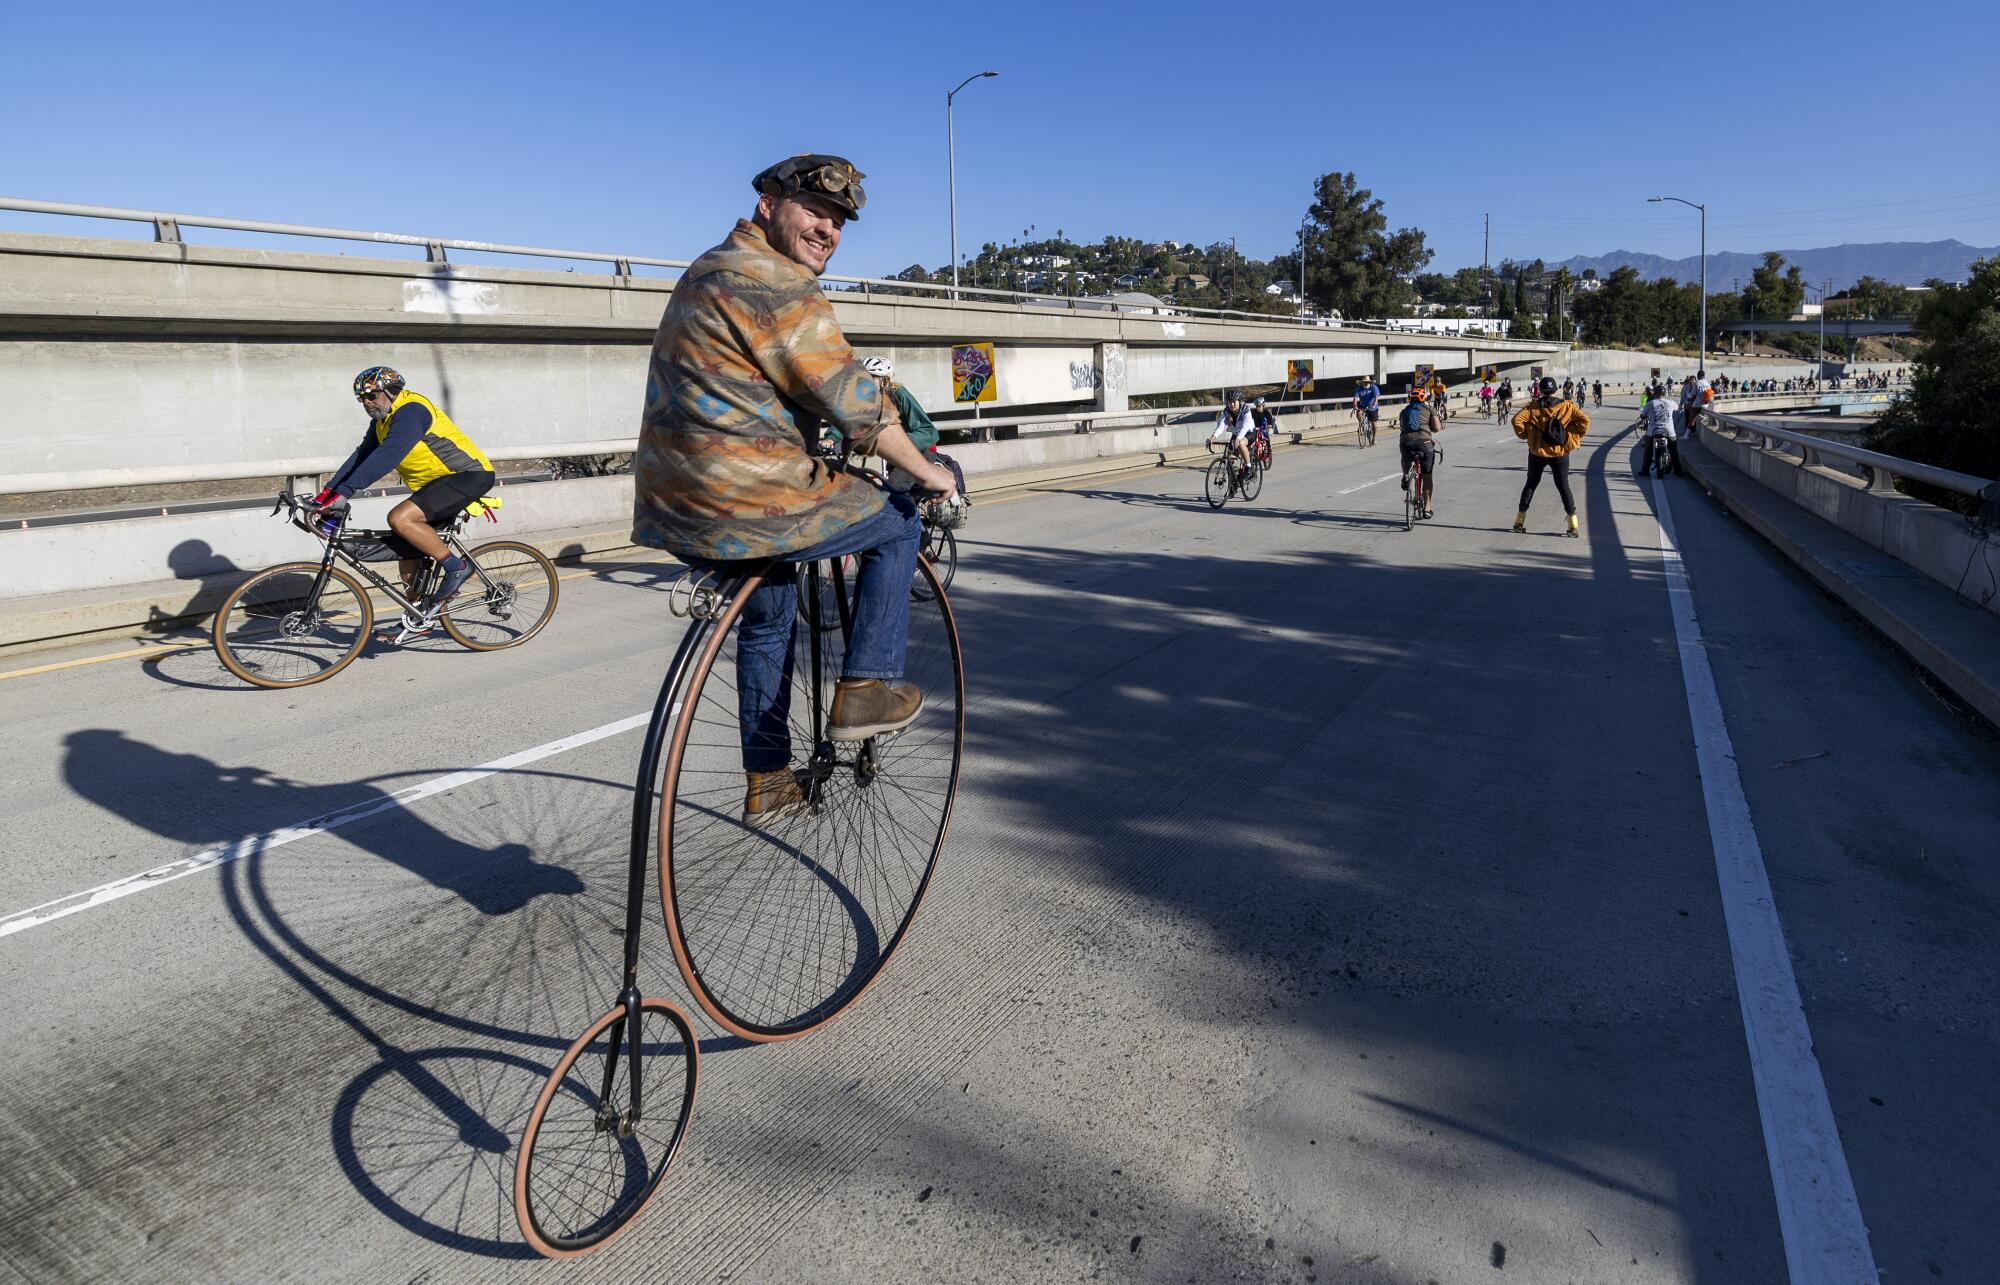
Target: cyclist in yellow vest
[(431, 455)]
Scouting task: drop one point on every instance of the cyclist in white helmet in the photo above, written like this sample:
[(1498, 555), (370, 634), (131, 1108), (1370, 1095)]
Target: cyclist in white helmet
[(923, 434)]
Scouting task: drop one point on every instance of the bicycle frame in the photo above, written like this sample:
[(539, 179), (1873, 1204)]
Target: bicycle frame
[(336, 550)]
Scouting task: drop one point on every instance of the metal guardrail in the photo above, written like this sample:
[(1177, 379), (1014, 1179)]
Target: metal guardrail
[(297, 466), (1882, 470), (167, 228)]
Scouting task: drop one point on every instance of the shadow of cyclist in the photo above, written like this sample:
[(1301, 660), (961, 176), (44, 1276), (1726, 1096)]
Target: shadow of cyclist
[(175, 796)]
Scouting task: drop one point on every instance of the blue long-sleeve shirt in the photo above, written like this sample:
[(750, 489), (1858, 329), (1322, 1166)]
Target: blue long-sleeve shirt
[(372, 459)]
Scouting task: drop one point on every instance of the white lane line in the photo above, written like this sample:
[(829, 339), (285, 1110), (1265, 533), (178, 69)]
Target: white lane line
[(63, 907), (1387, 477), (1818, 1214)]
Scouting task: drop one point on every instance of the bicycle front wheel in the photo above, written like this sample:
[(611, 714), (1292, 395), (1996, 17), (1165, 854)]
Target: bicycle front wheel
[(274, 631), (779, 924), (940, 549), (1253, 481), (1215, 486), (597, 1143), (511, 595)]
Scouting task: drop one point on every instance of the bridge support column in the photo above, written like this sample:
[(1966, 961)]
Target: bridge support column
[(1111, 397), (1381, 367)]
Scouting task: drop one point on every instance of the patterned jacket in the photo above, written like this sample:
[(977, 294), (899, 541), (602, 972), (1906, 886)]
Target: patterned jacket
[(746, 363)]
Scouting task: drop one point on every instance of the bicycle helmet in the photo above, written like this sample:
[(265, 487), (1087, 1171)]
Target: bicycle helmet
[(1232, 395), (377, 379), (878, 367), (1419, 393), (1258, 402)]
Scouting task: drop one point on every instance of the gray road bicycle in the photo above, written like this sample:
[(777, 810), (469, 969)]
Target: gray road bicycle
[(304, 622)]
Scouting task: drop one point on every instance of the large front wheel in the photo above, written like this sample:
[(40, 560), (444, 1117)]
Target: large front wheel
[(1215, 485), (511, 595), (276, 631), (779, 922), (1253, 481)]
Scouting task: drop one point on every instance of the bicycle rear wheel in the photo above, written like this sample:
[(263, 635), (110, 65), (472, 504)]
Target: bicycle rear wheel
[(589, 1160), (511, 595), (273, 632), (1215, 484), (1253, 481), (779, 927), (1412, 496)]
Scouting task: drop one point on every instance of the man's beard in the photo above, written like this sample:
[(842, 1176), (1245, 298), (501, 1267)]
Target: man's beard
[(378, 413)]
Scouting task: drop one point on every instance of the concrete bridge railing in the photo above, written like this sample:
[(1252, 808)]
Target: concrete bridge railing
[(1942, 544)]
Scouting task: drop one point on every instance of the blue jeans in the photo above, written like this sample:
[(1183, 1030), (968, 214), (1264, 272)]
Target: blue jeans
[(885, 546)]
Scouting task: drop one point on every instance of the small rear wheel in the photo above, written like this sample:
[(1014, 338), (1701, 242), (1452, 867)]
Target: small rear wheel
[(511, 595), (597, 1145), (274, 631), (1215, 486)]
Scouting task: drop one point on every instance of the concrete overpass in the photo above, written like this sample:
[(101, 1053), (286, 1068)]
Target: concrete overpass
[(204, 361), (1862, 326)]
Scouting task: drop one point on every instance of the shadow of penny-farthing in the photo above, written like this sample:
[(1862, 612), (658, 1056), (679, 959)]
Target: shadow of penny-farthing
[(429, 1135)]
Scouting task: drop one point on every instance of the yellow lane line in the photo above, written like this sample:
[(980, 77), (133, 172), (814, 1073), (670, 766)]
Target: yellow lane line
[(98, 660)]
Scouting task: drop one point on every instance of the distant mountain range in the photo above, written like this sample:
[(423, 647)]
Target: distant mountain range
[(1909, 263)]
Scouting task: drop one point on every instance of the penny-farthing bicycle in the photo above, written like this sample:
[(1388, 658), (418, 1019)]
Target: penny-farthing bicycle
[(777, 926)]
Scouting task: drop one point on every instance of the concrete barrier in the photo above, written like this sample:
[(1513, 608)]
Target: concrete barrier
[(1936, 542)]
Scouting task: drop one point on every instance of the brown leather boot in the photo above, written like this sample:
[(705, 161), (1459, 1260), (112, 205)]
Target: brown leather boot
[(772, 796), (865, 707)]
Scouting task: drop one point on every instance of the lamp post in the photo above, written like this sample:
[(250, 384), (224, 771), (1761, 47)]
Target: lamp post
[(1702, 362), (951, 170)]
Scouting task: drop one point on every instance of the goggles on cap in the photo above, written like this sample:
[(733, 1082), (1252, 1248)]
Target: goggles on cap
[(835, 179)]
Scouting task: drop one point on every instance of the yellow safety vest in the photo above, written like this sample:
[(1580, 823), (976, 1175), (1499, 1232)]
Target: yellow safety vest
[(442, 451)]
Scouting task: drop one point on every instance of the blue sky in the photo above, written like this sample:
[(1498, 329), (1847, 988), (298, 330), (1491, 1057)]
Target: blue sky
[(636, 127)]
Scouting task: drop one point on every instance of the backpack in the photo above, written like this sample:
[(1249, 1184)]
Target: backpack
[(1412, 418), (1553, 432)]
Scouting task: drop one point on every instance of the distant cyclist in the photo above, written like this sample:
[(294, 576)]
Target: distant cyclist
[(1486, 397), (1569, 390), (1234, 420), (1597, 392), (1266, 423), (1419, 423), (1656, 417), (1505, 395), (432, 457), (1367, 407), (1439, 397), (917, 426)]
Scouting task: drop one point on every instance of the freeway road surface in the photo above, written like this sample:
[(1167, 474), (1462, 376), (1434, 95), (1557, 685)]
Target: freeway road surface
[(1325, 902)]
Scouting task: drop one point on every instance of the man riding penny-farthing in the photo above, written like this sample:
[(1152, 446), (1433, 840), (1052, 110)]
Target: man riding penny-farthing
[(804, 749)]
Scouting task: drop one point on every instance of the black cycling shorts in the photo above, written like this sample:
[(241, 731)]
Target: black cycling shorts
[(444, 499), (1416, 445)]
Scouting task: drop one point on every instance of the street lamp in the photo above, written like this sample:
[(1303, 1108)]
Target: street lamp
[(951, 171), (1703, 362)]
